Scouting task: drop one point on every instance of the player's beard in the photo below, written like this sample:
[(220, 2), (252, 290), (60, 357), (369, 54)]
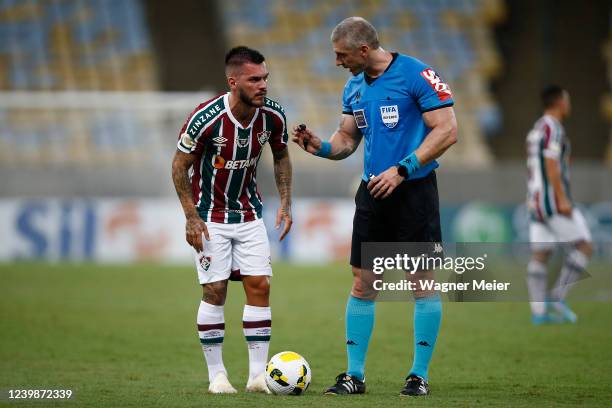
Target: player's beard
[(244, 98)]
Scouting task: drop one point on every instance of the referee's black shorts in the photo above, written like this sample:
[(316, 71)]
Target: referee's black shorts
[(410, 214)]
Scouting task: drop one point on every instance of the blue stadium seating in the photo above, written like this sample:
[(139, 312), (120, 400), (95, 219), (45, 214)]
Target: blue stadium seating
[(453, 36)]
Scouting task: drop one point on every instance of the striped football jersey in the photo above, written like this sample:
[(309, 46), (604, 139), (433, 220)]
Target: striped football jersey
[(546, 140), (223, 175)]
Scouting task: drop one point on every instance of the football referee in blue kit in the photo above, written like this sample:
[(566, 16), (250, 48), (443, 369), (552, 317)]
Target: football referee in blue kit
[(403, 110)]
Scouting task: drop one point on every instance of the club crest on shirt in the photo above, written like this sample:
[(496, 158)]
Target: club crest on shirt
[(263, 137), (242, 142), (389, 115), (205, 262)]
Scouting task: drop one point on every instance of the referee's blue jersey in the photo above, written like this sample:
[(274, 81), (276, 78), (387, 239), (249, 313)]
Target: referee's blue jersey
[(388, 109)]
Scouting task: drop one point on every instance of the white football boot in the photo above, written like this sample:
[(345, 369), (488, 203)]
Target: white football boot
[(221, 385), (258, 384)]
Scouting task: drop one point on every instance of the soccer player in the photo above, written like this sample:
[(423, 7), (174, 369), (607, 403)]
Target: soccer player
[(403, 110), (554, 219), (214, 174)]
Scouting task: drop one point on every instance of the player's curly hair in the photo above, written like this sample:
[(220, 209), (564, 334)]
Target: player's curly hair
[(356, 31)]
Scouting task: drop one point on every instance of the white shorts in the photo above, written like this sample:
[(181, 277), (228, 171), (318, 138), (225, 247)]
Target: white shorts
[(559, 229), (242, 246)]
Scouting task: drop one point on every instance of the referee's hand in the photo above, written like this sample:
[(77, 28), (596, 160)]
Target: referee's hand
[(383, 185), (307, 140)]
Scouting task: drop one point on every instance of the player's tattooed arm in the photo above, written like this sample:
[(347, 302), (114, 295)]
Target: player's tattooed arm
[(282, 175), (195, 226), (346, 139)]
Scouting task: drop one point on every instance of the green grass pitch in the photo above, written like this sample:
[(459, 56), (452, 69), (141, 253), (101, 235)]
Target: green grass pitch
[(124, 336)]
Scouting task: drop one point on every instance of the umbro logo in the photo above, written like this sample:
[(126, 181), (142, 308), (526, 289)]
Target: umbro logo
[(219, 140), (423, 343), (351, 343)]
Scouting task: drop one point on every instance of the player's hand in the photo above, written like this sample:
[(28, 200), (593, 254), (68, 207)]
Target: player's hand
[(283, 216), (383, 185), (564, 206), (307, 140), (195, 228)]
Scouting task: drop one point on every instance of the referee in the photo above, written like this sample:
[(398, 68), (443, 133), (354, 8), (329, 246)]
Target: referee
[(403, 110)]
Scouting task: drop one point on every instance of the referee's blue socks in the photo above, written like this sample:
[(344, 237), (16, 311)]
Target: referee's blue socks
[(427, 317), (359, 325)]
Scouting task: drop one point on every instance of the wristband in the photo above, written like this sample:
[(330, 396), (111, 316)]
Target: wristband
[(325, 150), (411, 163)]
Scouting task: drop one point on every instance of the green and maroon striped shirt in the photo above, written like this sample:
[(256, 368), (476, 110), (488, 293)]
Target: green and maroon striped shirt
[(223, 176)]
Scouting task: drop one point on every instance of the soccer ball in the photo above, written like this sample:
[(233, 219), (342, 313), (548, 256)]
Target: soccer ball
[(288, 373)]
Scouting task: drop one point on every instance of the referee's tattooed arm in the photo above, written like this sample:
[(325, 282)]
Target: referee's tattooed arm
[(346, 139)]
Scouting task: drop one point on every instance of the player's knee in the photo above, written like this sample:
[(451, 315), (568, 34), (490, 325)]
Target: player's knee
[(541, 256), (257, 286), (214, 293), (577, 258), (585, 247)]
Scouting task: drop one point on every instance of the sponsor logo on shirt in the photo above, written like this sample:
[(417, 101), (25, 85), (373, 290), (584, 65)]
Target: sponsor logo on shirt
[(441, 88), (389, 115), (220, 163)]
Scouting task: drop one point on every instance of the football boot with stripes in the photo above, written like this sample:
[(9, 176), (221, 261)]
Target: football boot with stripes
[(415, 386), (346, 384)]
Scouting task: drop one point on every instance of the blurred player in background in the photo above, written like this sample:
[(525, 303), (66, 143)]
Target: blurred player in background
[(404, 111), (214, 174), (554, 219)]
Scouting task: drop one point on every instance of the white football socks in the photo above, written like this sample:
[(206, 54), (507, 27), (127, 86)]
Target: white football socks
[(257, 327), (573, 267), (537, 285), (211, 329)]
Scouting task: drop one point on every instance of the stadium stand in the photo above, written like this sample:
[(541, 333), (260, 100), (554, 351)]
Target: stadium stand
[(68, 47), (454, 36), (75, 45), (607, 100)]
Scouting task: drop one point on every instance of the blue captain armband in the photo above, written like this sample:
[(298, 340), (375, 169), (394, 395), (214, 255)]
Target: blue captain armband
[(411, 163), (325, 150)]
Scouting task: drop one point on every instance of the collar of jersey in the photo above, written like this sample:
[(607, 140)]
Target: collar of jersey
[(231, 115), (551, 117), (369, 80)]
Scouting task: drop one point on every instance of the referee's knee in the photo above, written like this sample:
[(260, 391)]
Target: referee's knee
[(362, 289)]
